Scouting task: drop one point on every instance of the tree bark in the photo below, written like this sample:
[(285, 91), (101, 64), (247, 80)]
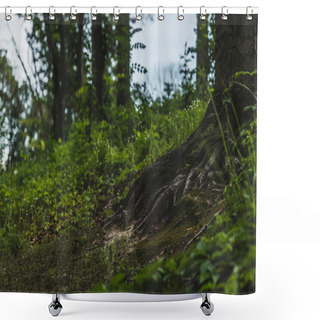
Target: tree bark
[(203, 62), (80, 71), (98, 61), (235, 50), (62, 79), (198, 165), (54, 70), (123, 53)]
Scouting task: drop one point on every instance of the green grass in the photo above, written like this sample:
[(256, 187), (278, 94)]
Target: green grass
[(223, 260), (67, 185), (52, 202), (57, 195)]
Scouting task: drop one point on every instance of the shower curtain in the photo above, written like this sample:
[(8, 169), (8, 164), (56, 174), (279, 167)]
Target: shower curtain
[(128, 153)]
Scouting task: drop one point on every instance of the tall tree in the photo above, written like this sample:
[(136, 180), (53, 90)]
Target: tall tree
[(110, 54), (203, 59), (40, 113), (98, 62), (53, 76), (198, 165), (56, 43), (62, 76), (235, 50), (79, 53), (123, 61), (13, 98)]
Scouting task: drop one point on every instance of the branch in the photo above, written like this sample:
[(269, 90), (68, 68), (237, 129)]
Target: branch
[(36, 73), (22, 63)]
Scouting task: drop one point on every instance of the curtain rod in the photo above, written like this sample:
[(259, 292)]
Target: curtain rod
[(134, 10)]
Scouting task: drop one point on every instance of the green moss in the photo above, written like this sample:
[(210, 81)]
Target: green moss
[(187, 218)]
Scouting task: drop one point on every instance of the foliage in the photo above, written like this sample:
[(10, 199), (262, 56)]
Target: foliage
[(65, 185), (12, 98), (223, 260), (72, 144), (187, 85)]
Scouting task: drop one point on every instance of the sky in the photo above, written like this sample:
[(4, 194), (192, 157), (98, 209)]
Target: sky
[(165, 41)]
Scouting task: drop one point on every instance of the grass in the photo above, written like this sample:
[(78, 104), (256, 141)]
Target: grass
[(52, 203)]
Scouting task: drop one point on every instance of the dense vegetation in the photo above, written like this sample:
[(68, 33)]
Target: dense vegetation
[(78, 135), (223, 260)]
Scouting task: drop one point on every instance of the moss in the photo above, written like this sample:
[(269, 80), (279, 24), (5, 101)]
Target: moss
[(71, 263), (187, 218)]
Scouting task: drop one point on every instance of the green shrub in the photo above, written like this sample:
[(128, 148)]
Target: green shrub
[(64, 186)]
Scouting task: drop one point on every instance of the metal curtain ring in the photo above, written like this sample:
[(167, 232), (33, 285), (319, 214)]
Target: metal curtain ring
[(138, 16), (28, 13), (160, 16), (52, 11), (180, 13), (93, 15), (203, 12), (116, 15), (224, 13), (73, 14), (8, 17), (249, 15)]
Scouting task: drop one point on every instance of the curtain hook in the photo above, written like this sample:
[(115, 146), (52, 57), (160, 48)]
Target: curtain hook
[(116, 15), (203, 12), (93, 15), (52, 11), (249, 15), (224, 13), (73, 14), (160, 16), (8, 17), (180, 13), (28, 13), (138, 16)]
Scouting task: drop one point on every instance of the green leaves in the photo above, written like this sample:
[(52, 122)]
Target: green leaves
[(223, 260), (65, 186), (68, 187), (241, 73)]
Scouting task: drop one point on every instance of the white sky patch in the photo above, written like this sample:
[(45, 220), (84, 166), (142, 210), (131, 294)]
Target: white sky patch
[(165, 42), (17, 28)]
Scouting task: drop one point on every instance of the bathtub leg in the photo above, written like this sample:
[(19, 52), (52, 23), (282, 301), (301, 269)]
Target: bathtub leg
[(55, 306), (206, 305)]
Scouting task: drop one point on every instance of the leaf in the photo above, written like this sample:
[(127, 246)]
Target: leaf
[(117, 279), (253, 108), (138, 45), (239, 73)]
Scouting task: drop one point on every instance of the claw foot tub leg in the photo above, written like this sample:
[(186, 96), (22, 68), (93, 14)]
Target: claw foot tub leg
[(206, 305), (55, 306)]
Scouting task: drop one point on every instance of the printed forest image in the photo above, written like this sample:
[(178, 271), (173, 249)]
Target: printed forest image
[(128, 154)]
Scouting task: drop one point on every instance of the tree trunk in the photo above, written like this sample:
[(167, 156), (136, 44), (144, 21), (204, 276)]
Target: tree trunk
[(62, 79), (53, 68), (123, 53), (98, 61), (195, 169), (80, 73), (110, 53), (203, 62), (235, 50)]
